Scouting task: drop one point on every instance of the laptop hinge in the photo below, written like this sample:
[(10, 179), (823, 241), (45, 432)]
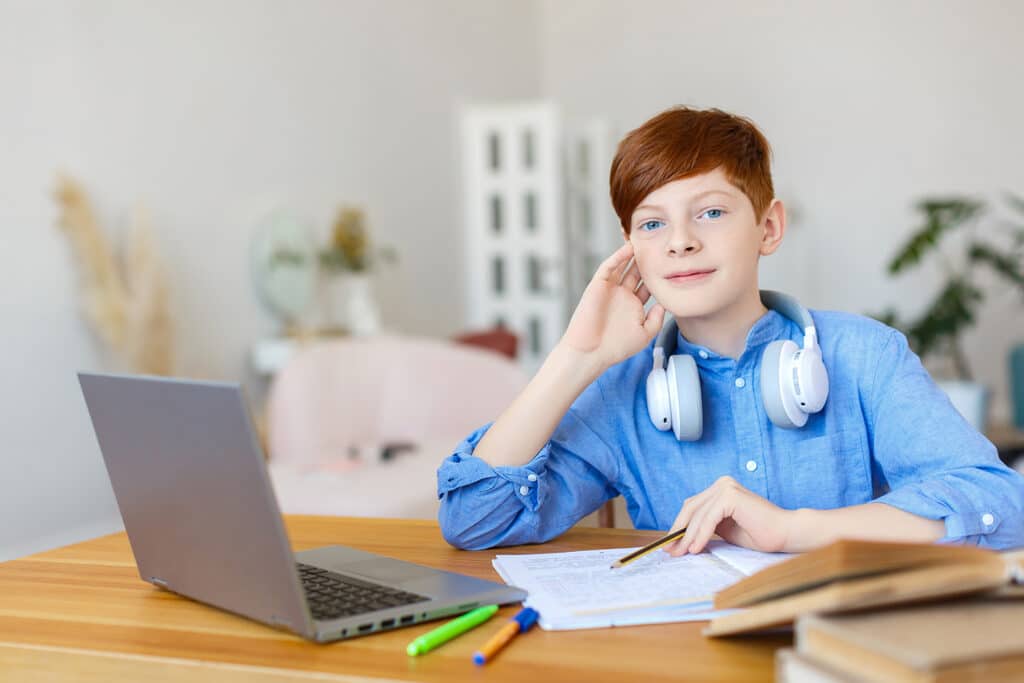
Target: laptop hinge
[(158, 581)]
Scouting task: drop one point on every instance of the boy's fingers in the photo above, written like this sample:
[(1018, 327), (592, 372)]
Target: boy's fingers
[(610, 265), (732, 532), (624, 269), (643, 293), (675, 547), (686, 511), (691, 506), (692, 530), (683, 519), (653, 323), (631, 277), (703, 524), (682, 545), (708, 524)]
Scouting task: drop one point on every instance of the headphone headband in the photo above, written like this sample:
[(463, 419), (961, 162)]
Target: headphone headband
[(777, 301), (794, 382), (787, 306), (665, 345)]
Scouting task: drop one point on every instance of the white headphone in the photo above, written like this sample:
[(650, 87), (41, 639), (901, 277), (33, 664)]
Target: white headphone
[(794, 382)]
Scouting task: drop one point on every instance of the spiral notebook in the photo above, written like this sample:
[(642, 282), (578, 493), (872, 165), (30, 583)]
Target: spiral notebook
[(579, 590)]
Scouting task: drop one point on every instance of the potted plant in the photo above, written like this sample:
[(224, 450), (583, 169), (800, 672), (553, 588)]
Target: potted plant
[(347, 261), (937, 330)]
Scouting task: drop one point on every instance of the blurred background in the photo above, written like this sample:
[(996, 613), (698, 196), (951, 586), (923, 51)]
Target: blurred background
[(200, 188)]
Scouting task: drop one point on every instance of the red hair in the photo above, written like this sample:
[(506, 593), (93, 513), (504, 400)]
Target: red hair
[(684, 142)]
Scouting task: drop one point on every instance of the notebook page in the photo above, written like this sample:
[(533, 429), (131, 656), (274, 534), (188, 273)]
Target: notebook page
[(746, 560), (580, 590)]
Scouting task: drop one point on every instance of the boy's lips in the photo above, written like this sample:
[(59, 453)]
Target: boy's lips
[(686, 276)]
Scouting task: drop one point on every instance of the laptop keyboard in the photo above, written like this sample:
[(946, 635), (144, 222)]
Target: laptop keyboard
[(331, 595)]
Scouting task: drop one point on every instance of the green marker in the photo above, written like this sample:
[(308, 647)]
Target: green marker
[(455, 627)]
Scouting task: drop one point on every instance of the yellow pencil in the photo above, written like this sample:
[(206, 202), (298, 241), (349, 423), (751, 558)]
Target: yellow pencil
[(648, 548)]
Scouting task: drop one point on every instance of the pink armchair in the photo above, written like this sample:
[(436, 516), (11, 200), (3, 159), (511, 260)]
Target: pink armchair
[(371, 391)]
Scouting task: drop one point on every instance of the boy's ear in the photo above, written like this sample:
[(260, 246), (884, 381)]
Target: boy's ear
[(773, 227)]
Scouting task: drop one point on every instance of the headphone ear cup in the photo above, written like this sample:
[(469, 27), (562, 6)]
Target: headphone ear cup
[(685, 402), (772, 387), (658, 408), (813, 381)]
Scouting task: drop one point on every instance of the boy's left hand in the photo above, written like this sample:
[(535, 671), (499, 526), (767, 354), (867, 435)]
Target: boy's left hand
[(738, 515)]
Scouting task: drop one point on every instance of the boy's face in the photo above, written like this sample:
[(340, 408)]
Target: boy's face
[(697, 243)]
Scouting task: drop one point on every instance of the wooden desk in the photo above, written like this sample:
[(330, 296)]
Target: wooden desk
[(82, 613)]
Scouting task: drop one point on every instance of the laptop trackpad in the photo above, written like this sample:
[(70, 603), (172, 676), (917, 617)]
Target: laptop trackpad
[(383, 570)]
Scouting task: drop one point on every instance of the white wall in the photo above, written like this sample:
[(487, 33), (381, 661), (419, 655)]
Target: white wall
[(211, 114), (868, 106), (52, 484)]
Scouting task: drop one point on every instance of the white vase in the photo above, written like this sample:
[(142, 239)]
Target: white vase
[(970, 399), (349, 304)]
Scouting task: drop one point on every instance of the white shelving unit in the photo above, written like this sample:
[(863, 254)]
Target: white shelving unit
[(528, 252), (592, 226)]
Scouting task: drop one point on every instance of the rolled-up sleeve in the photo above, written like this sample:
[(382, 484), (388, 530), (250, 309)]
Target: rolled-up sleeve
[(933, 462), (570, 477)]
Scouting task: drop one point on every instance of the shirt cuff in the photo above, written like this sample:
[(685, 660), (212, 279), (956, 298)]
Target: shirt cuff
[(963, 521), (462, 468)]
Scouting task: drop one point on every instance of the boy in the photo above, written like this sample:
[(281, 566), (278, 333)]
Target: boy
[(887, 457)]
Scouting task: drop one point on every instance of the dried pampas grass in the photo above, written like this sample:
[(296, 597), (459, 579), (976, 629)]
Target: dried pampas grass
[(126, 300)]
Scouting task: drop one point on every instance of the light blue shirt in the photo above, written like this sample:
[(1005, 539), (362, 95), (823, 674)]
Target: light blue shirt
[(887, 434)]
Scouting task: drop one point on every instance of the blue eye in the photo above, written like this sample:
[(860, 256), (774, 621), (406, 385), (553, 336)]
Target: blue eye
[(648, 226), (713, 213)]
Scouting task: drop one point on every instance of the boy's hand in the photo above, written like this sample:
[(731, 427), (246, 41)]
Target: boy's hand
[(738, 515), (609, 321)]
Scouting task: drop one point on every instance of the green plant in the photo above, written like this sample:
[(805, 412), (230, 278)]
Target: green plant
[(937, 330), (349, 248)]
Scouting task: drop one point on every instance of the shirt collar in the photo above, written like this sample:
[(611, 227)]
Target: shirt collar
[(769, 327)]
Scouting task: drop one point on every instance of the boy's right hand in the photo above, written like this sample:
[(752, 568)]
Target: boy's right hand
[(609, 324)]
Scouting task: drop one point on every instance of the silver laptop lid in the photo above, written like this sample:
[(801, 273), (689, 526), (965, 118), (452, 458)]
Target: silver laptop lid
[(200, 514)]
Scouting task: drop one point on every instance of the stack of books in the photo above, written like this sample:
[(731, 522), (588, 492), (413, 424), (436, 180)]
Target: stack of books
[(873, 611), (962, 640)]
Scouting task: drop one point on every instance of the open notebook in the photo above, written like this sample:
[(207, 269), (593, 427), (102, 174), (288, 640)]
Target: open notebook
[(579, 590)]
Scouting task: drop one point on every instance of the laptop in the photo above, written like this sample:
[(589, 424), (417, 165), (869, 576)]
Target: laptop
[(192, 486)]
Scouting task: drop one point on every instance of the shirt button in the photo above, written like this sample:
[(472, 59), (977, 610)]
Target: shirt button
[(987, 519), (523, 490), (751, 466), (740, 382), (532, 477), (702, 353)]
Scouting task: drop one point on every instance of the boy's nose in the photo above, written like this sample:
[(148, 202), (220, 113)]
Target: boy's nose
[(681, 240)]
